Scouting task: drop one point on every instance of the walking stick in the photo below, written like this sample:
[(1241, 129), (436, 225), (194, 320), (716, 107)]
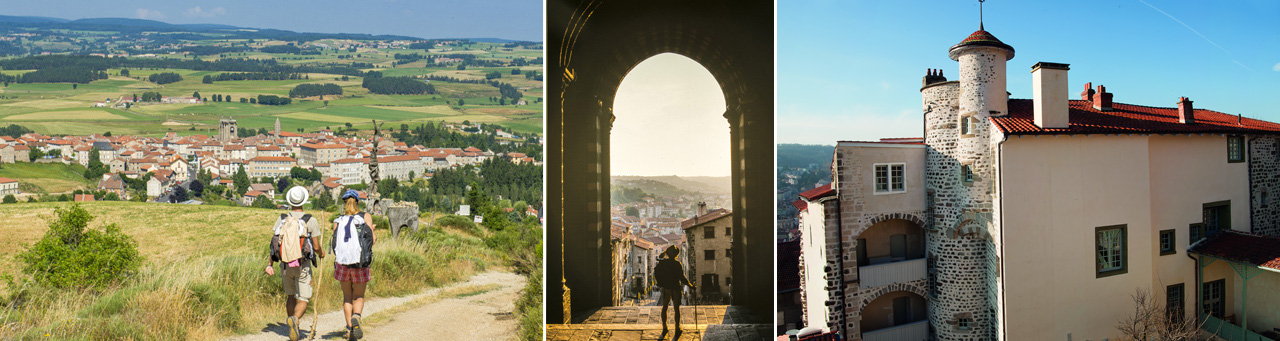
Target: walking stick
[(318, 276)]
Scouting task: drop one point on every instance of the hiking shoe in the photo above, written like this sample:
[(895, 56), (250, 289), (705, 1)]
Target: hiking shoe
[(356, 332), (293, 329)]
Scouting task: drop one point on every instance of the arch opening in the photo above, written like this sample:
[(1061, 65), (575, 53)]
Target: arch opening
[(668, 121)]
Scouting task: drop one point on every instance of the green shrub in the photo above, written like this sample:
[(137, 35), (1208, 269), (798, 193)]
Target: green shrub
[(381, 221), (457, 221), (71, 255)]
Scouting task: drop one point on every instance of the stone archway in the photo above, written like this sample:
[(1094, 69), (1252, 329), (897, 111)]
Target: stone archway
[(592, 45)]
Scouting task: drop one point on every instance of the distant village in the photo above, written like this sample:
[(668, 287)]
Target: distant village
[(175, 160), (703, 235)]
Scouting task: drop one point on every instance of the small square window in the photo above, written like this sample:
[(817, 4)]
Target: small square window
[(728, 253), (1235, 149), (1110, 256), (710, 232), (1167, 240), (728, 230), (966, 174), (1195, 233), (709, 254), (890, 178), (963, 323)]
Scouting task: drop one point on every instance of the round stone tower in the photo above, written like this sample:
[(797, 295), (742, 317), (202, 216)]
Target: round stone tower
[(960, 183)]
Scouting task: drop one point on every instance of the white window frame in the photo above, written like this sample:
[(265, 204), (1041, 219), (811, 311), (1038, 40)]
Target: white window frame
[(889, 177)]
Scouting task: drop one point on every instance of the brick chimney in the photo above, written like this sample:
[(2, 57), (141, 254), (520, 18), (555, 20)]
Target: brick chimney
[(1087, 94), (933, 76), (1049, 92), (702, 208), (1102, 99), (1186, 114)]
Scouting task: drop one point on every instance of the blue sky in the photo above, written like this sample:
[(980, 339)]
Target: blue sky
[(508, 19), (851, 70)]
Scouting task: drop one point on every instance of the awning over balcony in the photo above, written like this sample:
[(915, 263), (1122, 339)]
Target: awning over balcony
[(1258, 251), (1248, 255)]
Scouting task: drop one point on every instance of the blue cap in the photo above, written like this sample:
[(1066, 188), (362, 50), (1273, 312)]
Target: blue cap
[(351, 193)]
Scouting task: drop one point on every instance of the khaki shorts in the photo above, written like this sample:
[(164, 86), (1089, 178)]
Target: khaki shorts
[(297, 281)]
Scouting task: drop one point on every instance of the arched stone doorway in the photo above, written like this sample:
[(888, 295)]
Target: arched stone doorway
[(897, 315), (592, 45)]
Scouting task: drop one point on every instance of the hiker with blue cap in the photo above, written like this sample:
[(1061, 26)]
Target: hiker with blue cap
[(295, 244), (353, 240)]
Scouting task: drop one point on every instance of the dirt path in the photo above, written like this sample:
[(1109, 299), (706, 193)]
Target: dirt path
[(478, 309)]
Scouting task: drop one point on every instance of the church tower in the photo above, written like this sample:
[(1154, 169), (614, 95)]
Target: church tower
[(960, 187), (277, 127), (227, 129)]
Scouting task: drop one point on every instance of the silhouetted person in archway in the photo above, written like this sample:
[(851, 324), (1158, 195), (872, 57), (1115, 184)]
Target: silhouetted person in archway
[(670, 276)]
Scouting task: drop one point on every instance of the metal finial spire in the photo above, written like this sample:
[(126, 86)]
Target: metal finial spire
[(980, 28)]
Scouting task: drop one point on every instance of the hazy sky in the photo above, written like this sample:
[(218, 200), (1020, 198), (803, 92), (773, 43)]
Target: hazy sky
[(669, 121), (508, 19), (851, 70)]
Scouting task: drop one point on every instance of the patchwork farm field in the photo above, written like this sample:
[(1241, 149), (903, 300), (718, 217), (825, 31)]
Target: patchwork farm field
[(64, 108)]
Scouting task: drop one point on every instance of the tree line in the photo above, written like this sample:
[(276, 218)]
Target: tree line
[(253, 76), (308, 90), (229, 64), (164, 78), (395, 85), (64, 74)]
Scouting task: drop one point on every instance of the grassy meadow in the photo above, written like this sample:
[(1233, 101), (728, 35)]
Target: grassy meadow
[(60, 109), (44, 178), (202, 277)]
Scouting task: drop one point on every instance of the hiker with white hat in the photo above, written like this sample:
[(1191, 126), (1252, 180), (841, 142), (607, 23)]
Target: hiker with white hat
[(295, 244)]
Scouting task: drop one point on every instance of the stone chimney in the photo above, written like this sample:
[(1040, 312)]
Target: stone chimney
[(702, 208), (933, 76), (1087, 94), (1186, 114), (1049, 91), (1102, 99)]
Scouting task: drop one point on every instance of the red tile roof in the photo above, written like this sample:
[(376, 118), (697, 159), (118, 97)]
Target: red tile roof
[(789, 265), (272, 159), (7, 180), (1241, 247), (705, 218), (800, 204), (1129, 119), (818, 192)]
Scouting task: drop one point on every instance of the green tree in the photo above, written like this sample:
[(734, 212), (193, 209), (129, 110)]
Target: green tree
[(207, 79), (10, 199), (71, 255), (633, 211), (264, 202), (240, 180), (34, 154)]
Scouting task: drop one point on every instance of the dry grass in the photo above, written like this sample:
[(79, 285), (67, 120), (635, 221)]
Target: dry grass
[(203, 276)]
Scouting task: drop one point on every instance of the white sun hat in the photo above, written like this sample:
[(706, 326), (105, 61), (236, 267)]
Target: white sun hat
[(297, 196)]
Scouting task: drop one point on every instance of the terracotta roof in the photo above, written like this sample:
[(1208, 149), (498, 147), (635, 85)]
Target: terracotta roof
[(789, 266), (272, 159), (800, 204), (7, 180), (252, 193), (1241, 247), (705, 218), (84, 197), (981, 38), (398, 158), (1129, 119), (818, 192)]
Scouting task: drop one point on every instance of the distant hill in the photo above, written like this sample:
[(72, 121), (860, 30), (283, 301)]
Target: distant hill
[(803, 155), (123, 22), (128, 25), (16, 19), (671, 185)]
